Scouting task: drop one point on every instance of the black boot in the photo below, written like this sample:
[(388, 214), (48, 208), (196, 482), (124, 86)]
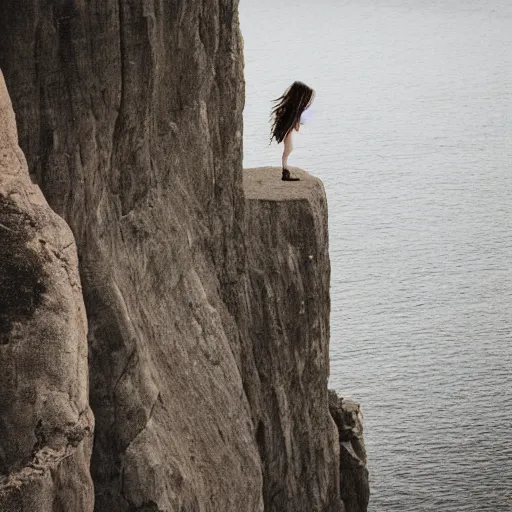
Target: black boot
[(287, 177)]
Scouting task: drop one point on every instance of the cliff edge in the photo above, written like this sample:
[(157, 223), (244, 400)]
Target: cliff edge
[(289, 276), (311, 442)]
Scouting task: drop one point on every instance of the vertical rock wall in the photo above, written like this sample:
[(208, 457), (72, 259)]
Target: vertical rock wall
[(45, 421), (130, 113), (289, 275)]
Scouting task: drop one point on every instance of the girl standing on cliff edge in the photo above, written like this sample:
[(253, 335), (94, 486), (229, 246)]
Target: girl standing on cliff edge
[(286, 117)]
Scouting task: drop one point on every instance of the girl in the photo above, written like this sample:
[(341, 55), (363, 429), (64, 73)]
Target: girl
[(286, 118)]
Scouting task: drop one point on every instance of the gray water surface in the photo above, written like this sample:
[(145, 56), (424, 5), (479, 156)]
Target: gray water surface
[(412, 137)]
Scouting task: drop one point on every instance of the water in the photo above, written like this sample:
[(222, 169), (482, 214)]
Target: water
[(412, 137)]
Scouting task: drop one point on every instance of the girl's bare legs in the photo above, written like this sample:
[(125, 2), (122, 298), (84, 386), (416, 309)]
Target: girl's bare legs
[(288, 148)]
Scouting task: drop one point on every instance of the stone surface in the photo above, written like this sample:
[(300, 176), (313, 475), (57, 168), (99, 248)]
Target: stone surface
[(355, 488), (130, 114), (289, 276), (45, 421)]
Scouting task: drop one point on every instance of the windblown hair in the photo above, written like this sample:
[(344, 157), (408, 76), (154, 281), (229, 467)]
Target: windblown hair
[(290, 106)]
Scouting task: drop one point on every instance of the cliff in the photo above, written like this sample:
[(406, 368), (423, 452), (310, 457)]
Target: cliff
[(208, 320), (311, 442), (45, 421), (289, 275), (130, 115)]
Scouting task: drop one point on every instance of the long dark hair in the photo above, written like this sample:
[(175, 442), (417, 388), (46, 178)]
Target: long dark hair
[(290, 106)]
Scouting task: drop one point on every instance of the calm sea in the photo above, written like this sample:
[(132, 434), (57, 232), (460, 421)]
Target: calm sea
[(412, 137)]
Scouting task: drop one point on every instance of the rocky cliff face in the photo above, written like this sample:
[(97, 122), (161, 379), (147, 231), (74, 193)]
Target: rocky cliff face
[(208, 357), (289, 274), (45, 421), (130, 114)]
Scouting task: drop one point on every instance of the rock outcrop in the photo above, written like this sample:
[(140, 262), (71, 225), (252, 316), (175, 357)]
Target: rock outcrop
[(289, 275), (355, 488), (208, 312), (45, 421)]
